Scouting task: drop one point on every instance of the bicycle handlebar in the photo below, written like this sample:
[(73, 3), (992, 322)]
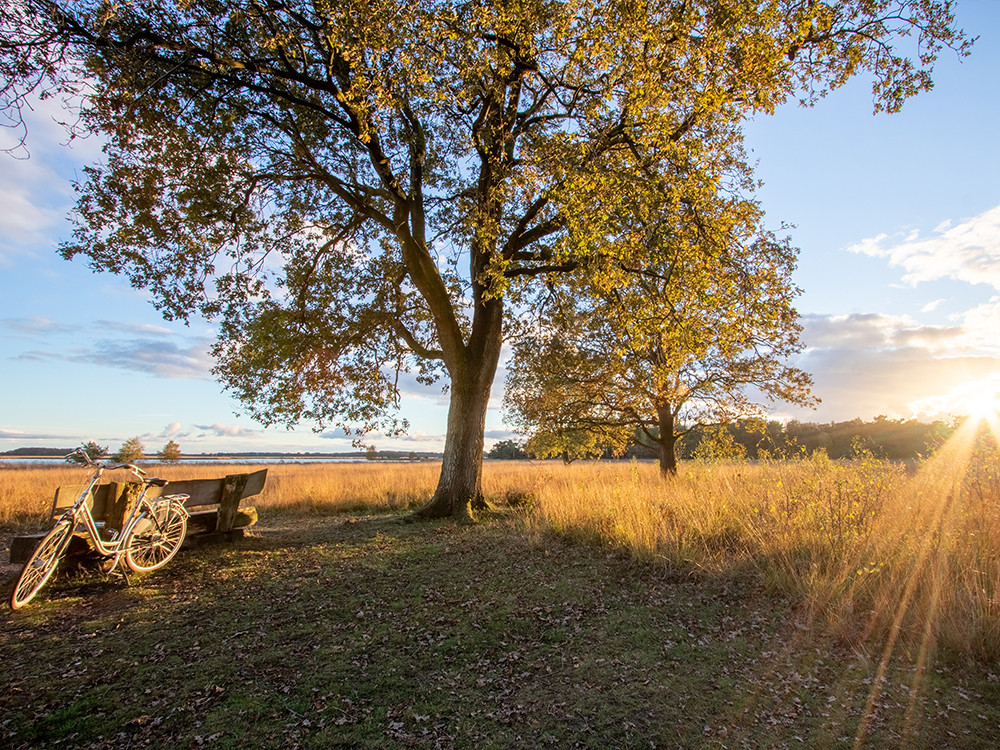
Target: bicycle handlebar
[(80, 452), (131, 467)]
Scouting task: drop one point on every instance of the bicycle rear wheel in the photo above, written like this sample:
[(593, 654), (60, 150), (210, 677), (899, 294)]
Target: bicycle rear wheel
[(41, 565), (155, 538)]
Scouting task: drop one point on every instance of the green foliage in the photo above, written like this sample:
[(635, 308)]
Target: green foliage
[(693, 322), (571, 444), (132, 450), (170, 453), (895, 439), (507, 450)]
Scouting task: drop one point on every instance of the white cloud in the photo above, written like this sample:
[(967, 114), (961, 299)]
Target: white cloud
[(172, 430), (48, 123), (975, 398), (410, 389), (37, 325), (870, 364), (414, 440), (875, 331), (422, 437), (226, 430), (164, 359), (35, 183), (338, 433), (969, 251), (981, 324), (870, 245), (493, 435), (19, 435), (134, 328), (24, 220)]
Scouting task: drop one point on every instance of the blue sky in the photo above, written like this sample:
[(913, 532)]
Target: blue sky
[(897, 218)]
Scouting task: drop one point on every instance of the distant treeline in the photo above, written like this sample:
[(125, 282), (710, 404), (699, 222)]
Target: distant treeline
[(882, 437), (38, 452), (753, 438), (382, 454)]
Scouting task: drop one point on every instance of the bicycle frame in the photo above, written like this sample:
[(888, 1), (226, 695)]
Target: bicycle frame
[(150, 536), (80, 512)]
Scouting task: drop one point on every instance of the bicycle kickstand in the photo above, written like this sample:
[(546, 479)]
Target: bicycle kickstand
[(122, 570)]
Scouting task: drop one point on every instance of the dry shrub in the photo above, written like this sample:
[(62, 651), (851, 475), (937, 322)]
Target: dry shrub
[(324, 488), (27, 490), (927, 573)]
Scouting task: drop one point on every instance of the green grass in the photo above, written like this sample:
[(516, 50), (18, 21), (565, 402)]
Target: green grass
[(360, 631)]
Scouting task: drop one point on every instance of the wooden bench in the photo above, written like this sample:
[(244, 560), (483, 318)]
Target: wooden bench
[(215, 506)]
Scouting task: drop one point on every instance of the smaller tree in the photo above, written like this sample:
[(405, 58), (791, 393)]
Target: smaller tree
[(94, 452), (697, 333), (170, 453), (371, 453), (132, 450), (507, 450)]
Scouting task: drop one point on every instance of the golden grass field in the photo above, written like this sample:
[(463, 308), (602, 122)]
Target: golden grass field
[(877, 553)]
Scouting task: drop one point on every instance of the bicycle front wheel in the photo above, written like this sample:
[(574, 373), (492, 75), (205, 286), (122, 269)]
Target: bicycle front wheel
[(155, 538), (41, 565)]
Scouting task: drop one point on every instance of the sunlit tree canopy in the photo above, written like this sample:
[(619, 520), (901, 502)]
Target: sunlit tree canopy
[(355, 189), (699, 332)]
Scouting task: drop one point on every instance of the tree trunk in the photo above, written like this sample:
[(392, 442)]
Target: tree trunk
[(472, 366), (668, 441), (459, 489)]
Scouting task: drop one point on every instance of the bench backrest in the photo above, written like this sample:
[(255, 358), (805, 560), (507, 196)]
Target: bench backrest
[(112, 502)]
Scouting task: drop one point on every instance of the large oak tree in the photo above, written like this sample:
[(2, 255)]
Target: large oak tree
[(354, 188)]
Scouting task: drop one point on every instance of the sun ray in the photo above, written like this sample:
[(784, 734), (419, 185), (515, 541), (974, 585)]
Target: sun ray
[(938, 485)]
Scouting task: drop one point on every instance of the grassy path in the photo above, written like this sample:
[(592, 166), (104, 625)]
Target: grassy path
[(360, 631)]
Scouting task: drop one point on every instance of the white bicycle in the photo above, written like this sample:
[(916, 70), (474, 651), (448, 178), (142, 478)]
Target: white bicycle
[(149, 538)]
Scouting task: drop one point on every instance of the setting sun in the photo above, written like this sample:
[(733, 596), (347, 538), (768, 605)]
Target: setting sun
[(978, 400)]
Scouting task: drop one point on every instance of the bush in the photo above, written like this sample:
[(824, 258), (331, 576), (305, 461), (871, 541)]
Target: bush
[(94, 451)]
